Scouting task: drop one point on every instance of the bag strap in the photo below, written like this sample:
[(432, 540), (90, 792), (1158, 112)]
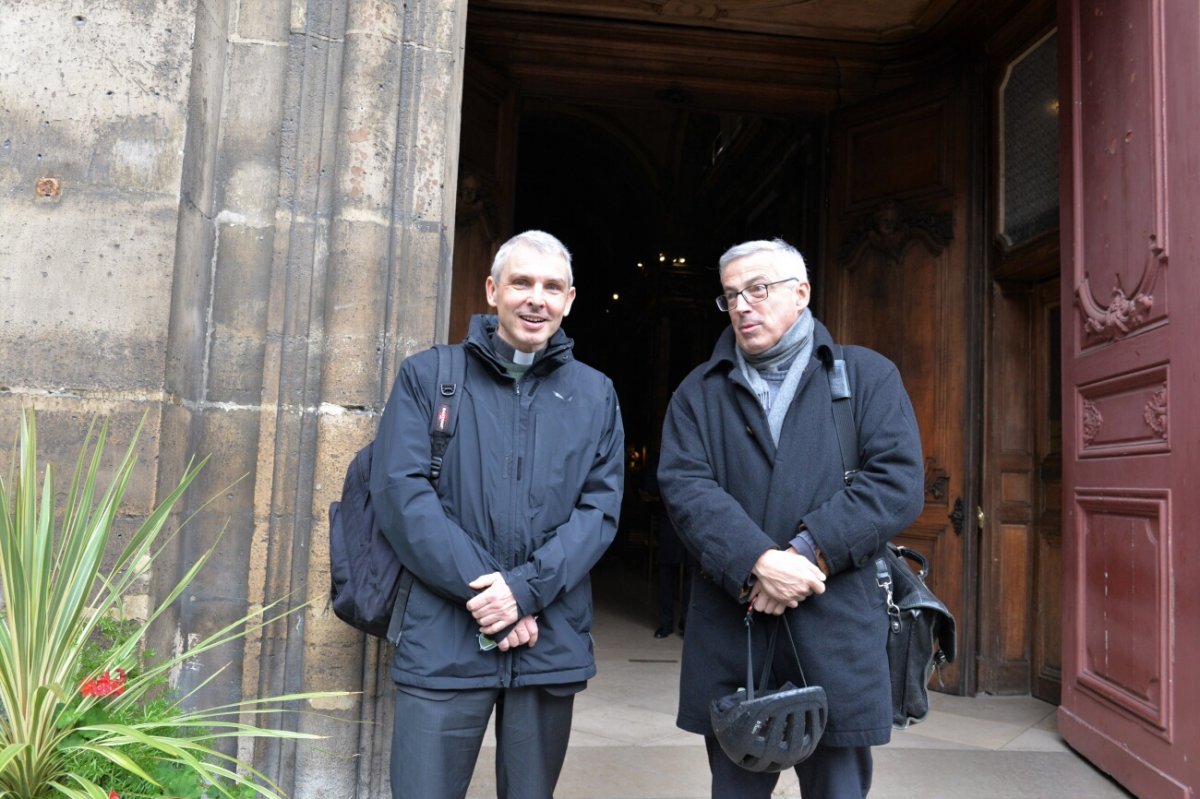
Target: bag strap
[(843, 414), (843, 425), (452, 371)]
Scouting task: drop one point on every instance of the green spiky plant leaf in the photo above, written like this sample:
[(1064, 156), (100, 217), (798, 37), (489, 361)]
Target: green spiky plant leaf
[(75, 714)]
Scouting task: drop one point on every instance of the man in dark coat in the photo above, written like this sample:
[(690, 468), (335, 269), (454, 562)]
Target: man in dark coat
[(751, 472), (500, 614)]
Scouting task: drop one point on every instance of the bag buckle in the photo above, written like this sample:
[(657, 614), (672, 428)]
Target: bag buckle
[(884, 579)]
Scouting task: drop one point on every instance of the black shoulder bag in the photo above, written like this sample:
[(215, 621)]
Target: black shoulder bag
[(916, 618)]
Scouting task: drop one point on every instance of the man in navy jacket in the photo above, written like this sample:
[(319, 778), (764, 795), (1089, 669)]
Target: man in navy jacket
[(751, 473), (499, 615)]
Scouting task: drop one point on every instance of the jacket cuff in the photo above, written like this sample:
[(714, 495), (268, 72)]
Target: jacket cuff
[(806, 545), (521, 592)]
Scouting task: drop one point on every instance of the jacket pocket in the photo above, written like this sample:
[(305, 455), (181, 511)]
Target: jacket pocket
[(563, 447), (440, 641)]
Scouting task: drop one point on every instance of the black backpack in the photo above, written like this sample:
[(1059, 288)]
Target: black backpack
[(368, 584)]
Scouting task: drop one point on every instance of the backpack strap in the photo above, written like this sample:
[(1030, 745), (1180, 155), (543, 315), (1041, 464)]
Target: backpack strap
[(452, 371), (843, 414)]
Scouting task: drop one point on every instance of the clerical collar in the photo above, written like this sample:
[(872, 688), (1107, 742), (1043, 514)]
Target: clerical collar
[(508, 353)]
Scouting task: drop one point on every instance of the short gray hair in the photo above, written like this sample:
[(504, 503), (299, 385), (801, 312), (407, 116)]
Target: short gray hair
[(790, 261), (537, 240)]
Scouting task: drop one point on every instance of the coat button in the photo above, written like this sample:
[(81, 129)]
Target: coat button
[(748, 430)]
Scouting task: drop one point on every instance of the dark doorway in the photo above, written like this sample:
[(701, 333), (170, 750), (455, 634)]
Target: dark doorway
[(647, 200)]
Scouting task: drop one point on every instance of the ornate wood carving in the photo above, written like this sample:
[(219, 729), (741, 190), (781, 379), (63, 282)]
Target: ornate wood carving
[(937, 482), (892, 228), (1091, 422), (1124, 414), (477, 202), (1155, 413), (957, 516), (1122, 316)]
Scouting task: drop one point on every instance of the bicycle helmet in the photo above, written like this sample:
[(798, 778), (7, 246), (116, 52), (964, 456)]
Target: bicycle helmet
[(772, 732), (775, 730)]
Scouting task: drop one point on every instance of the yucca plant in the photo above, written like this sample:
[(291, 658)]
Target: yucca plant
[(69, 719)]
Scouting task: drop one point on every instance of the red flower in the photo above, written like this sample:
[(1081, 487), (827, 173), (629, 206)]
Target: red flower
[(104, 685), (113, 795)]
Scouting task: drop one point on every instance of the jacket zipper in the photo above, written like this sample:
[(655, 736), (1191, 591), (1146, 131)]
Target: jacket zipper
[(506, 668)]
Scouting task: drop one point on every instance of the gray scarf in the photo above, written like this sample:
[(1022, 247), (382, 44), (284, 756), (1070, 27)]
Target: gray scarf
[(795, 346)]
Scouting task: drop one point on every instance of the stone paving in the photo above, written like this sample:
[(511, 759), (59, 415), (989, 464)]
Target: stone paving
[(624, 743)]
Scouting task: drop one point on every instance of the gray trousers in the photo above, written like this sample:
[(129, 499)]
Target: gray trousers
[(437, 735)]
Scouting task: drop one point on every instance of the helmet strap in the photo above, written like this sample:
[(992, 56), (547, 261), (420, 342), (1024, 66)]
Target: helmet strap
[(780, 621)]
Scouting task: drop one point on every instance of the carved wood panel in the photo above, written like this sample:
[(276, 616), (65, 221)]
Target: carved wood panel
[(1124, 551), (897, 283), (1122, 242), (1124, 414)]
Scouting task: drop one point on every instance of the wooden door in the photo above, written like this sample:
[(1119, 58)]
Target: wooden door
[(1020, 629), (896, 279), (483, 216), (1131, 414), (1021, 548)]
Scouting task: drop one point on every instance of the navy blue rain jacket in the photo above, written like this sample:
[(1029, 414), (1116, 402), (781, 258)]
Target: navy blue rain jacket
[(733, 495), (530, 486)]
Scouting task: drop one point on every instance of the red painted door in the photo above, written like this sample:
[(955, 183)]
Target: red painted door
[(1131, 389)]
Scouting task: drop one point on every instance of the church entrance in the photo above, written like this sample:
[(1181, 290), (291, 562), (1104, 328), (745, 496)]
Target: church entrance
[(625, 142)]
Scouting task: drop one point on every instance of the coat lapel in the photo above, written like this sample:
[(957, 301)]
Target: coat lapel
[(750, 414)]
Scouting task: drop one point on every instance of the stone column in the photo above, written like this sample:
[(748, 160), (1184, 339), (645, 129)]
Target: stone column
[(313, 256), (360, 279)]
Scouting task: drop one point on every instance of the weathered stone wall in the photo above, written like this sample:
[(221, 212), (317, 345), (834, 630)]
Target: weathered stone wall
[(92, 130), (234, 217)]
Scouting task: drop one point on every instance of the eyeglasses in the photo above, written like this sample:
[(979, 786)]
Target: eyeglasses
[(751, 294)]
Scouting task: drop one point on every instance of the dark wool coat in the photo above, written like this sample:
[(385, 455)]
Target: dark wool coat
[(733, 495), (530, 487)]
